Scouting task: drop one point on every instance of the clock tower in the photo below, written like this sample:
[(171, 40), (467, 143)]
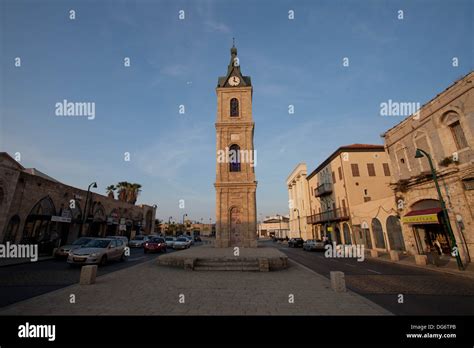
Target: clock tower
[(236, 215)]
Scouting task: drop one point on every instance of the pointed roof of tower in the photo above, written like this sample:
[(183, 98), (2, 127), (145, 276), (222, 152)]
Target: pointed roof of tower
[(233, 69)]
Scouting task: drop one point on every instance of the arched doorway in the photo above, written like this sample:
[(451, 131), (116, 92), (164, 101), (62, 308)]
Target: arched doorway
[(12, 229), (97, 228), (365, 235), (378, 233), (38, 225), (395, 235), (347, 233), (429, 227), (337, 234), (235, 224)]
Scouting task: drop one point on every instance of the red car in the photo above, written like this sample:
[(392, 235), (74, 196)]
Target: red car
[(155, 244)]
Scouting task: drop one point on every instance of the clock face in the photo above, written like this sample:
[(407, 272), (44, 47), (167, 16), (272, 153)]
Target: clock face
[(234, 81)]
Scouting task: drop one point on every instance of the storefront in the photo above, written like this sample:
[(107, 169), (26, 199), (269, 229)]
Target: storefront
[(429, 230)]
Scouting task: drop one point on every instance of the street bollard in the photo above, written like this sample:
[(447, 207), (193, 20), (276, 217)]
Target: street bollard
[(338, 282), (394, 255), (88, 274)]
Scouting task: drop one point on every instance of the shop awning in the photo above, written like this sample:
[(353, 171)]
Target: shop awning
[(421, 217)]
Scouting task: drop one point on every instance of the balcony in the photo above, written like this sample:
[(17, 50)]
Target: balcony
[(323, 189), (339, 214)]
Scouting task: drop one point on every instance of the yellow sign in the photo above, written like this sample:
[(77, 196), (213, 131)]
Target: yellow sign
[(329, 229), (421, 219)]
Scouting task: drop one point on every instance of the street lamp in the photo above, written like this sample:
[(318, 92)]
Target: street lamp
[(184, 227), (419, 154), (94, 185), (299, 223)]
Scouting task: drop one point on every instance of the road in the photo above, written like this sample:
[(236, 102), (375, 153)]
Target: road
[(20, 282), (424, 292)]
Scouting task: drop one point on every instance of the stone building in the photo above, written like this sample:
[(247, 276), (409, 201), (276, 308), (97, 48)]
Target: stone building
[(35, 208), (351, 199), (298, 202), (443, 128), (236, 210), (274, 226)]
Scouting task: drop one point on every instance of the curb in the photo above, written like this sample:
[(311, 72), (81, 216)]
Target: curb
[(28, 262), (439, 270)]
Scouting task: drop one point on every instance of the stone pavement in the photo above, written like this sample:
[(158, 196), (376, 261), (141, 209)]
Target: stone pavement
[(150, 289)]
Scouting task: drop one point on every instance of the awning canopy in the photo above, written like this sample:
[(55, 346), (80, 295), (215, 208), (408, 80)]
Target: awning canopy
[(421, 217)]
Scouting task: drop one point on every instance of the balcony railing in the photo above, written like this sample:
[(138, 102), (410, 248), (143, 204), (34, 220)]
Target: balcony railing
[(323, 189), (339, 214)]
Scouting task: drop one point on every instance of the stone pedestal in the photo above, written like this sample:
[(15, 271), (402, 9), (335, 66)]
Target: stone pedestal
[(374, 253), (88, 275), (421, 260), (338, 282), (394, 255)]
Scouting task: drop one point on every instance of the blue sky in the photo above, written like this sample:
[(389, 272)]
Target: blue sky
[(177, 62)]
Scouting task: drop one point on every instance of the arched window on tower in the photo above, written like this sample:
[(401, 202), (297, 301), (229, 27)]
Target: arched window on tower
[(234, 158), (234, 107)]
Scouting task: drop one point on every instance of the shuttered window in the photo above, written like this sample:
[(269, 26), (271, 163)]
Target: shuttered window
[(371, 169), (458, 135), (386, 169), (355, 169)]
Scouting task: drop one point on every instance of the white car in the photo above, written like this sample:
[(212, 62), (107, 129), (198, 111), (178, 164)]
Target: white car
[(182, 243), (191, 239), (98, 251), (138, 241), (170, 242)]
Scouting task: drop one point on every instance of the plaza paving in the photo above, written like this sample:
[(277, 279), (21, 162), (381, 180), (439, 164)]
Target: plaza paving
[(151, 289)]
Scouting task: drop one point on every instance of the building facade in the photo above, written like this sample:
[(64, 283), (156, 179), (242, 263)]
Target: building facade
[(35, 208), (236, 209), (298, 203), (351, 199), (277, 226), (443, 128)]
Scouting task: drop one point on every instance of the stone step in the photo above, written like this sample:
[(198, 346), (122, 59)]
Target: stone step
[(227, 268)]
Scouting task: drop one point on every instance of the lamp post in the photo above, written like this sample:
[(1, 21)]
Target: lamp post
[(94, 185), (419, 154), (169, 224), (184, 227), (299, 223)]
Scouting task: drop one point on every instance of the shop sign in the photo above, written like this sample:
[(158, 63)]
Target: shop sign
[(421, 219), (61, 219)]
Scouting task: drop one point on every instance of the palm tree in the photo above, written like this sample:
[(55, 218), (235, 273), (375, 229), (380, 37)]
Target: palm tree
[(111, 191), (122, 188), (134, 191)]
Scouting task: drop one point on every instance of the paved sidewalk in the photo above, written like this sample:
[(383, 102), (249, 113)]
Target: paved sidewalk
[(150, 289), (448, 266)]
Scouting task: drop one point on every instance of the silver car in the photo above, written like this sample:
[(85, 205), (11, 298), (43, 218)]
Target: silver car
[(64, 250), (138, 241), (182, 243), (98, 251), (170, 242)]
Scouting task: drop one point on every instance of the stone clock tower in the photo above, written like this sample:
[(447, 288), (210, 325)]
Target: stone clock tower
[(236, 212)]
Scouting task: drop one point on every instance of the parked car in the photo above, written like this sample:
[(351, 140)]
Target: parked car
[(138, 241), (313, 244), (170, 242), (295, 243), (182, 243), (64, 250), (155, 244), (124, 238), (98, 251), (189, 238)]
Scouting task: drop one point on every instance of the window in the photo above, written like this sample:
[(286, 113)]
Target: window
[(371, 169), (234, 158), (333, 177), (386, 169), (234, 107), (355, 169), (339, 170), (458, 135)]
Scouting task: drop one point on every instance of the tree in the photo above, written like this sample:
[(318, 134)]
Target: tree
[(128, 192), (111, 191)]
